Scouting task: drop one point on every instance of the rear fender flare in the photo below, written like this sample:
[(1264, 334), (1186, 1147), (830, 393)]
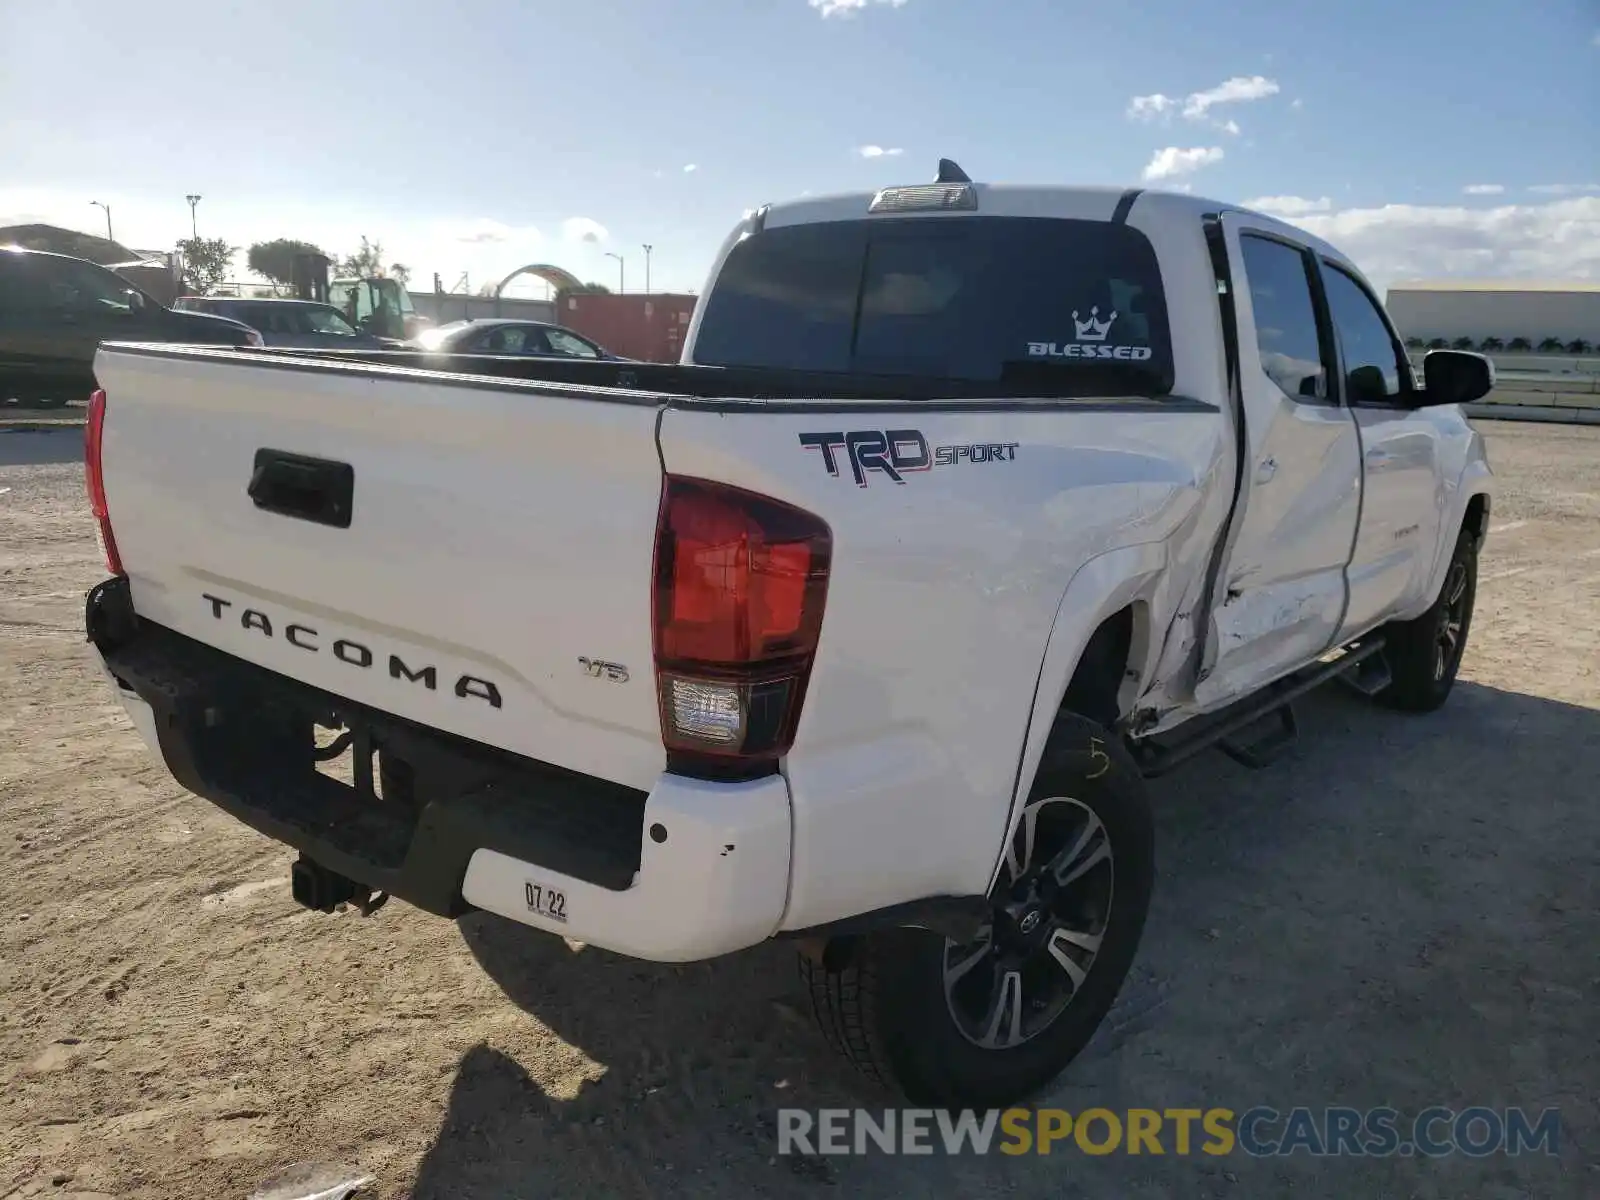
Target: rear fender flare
[(1102, 586)]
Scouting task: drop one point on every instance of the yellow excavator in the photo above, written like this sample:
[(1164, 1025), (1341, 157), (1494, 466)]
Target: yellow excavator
[(375, 304)]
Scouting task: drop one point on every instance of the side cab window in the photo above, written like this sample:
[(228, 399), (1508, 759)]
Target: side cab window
[(1287, 336), (1376, 369)]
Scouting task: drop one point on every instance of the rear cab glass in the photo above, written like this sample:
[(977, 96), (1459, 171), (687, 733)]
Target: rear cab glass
[(1020, 306)]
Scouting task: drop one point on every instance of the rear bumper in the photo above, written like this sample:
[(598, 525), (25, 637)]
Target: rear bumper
[(688, 871)]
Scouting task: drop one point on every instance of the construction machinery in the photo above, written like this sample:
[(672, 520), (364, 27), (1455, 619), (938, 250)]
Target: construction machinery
[(375, 304)]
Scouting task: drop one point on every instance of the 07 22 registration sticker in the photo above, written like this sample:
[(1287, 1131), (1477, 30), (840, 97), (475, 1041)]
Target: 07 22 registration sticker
[(546, 901)]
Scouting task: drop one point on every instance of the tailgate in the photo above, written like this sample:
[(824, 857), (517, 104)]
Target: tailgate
[(460, 552)]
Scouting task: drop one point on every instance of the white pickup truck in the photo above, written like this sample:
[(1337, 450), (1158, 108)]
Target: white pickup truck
[(968, 509)]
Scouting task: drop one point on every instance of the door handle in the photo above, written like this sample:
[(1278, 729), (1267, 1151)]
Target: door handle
[(308, 489), (1266, 469)]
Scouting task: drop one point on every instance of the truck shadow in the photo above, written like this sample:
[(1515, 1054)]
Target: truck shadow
[(1386, 867)]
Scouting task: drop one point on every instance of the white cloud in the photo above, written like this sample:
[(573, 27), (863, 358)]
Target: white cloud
[(690, 168), (1148, 108), (1564, 189), (1237, 90), (879, 151), (484, 232), (1289, 206), (1297, 103), (848, 8), (583, 229), (1197, 106), (1484, 189), (1174, 160), (1557, 239)]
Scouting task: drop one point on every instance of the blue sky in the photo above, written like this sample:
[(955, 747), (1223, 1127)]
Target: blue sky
[(477, 137)]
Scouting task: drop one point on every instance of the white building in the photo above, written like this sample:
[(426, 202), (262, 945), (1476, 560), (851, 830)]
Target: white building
[(1502, 308)]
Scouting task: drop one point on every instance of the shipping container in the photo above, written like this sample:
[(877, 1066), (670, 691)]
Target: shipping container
[(651, 328)]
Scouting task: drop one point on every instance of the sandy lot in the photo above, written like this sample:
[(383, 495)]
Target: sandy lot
[(1402, 912)]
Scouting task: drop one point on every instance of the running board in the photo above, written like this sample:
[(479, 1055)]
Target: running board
[(1220, 729)]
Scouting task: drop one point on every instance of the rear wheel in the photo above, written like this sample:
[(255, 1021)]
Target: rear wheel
[(1425, 654), (990, 1021)]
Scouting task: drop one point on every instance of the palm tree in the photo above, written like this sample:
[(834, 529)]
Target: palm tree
[(1462, 343), (1415, 343), (1490, 345), (1578, 346), (1520, 344), (1551, 345), (1438, 344)]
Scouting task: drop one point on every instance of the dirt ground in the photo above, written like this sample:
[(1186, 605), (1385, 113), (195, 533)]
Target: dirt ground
[(1402, 912)]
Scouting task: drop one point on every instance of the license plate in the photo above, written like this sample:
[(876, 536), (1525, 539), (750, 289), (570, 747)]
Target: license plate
[(546, 901)]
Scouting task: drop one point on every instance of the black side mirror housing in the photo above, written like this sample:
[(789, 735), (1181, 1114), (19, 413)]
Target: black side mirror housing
[(1455, 377)]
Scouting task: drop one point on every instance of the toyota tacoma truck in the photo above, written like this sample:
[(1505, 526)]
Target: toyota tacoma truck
[(968, 509)]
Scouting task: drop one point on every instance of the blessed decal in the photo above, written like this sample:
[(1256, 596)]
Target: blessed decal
[(1090, 342)]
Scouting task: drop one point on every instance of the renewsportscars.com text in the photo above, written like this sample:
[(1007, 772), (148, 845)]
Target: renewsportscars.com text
[(1260, 1132)]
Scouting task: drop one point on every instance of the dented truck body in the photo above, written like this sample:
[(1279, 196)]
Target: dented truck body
[(917, 457)]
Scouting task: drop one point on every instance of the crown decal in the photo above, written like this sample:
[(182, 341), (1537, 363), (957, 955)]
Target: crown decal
[(1093, 330)]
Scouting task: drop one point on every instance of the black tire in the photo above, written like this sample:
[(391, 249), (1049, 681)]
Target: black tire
[(881, 1000), (1424, 654)]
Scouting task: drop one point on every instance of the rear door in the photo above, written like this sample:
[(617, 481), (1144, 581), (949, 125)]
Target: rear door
[(1281, 594)]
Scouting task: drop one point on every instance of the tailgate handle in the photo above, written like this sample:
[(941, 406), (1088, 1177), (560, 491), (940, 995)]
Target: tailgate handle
[(308, 489)]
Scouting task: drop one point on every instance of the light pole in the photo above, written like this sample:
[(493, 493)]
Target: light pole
[(622, 278), (194, 228), (647, 248), (107, 207)]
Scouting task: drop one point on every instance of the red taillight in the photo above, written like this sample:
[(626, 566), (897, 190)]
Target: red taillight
[(740, 583), (94, 479)]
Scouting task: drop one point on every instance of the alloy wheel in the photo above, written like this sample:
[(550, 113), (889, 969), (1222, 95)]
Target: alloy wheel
[(1019, 975), (1447, 645)]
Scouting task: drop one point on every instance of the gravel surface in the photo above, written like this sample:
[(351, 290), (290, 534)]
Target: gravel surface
[(1404, 912)]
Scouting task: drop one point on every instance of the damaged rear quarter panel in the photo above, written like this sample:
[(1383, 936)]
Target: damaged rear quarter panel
[(944, 590)]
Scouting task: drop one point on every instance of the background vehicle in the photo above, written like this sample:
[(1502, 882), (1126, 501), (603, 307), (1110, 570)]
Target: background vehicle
[(969, 509), (376, 305), (55, 311), (299, 323), (507, 335)]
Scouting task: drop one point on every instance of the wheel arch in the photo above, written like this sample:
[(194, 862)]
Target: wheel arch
[(1474, 503), (1103, 630)]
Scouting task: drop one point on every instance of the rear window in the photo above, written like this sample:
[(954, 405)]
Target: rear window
[(1027, 306)]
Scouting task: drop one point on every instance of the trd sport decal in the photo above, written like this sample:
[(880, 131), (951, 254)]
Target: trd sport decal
[(899, 452)]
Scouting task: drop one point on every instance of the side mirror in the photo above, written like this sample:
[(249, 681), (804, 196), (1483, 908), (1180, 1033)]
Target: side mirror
[(1455, 377), (136, 304), (1367, 385)]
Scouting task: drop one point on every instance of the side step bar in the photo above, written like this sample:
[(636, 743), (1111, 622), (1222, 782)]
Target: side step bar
[(1361, 664)]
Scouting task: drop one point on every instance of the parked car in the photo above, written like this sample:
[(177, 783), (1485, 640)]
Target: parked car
[(307, 324), (56, 310), (969, 509), (508, 335)]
